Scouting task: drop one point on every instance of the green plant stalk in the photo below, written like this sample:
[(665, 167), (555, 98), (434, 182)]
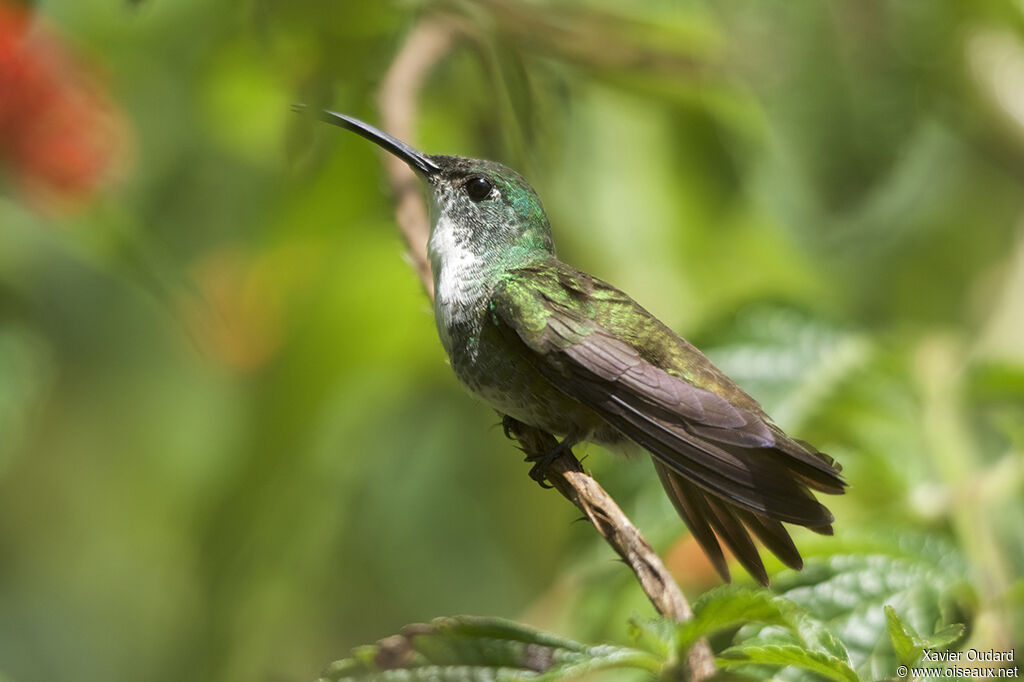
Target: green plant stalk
[(940, 365)]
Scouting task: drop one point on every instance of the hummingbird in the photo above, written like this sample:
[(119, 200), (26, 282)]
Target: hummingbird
[(558, 349)]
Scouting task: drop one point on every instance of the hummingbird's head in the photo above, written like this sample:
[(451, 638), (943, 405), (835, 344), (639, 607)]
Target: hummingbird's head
[(482, 210), (488, 208)]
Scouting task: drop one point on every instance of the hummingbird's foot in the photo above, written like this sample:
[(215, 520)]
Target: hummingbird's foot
[(542, 462), (508, 426), (537, 474)]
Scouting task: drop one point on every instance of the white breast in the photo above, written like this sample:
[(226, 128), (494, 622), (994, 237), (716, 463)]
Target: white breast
[(458, 276)]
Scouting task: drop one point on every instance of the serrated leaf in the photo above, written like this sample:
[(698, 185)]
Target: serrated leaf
[(790, 655), (904, 639), (729, 607), (910, 646), (944, 636), (466, 649), (657, 635), (921, 578), (724, 608)]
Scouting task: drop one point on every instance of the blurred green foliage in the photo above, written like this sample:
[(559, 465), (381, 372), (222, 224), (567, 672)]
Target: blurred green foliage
[(230, 446)]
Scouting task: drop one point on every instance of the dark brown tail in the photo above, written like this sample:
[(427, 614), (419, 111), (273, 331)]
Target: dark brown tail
[(715, 520)]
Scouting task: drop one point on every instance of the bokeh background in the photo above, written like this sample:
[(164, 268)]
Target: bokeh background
[(230, 445)]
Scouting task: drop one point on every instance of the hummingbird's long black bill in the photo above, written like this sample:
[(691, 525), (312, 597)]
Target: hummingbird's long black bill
[(417, 160)]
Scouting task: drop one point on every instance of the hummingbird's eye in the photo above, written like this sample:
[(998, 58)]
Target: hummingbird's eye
[(478, 188)]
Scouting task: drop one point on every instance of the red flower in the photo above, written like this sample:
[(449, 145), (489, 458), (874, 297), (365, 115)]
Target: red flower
[(59, 133)]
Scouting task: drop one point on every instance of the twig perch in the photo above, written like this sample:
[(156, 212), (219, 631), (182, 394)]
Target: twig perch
[(426, 44)]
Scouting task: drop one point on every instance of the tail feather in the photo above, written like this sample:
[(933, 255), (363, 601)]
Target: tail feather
[(731, 494), (813, 468), (737, 538), (774, 536), (749, 477), (692, 507), (715, 519)]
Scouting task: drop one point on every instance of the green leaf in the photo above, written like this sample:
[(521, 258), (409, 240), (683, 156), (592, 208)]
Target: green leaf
[(465, 649), (657, 635), (922, 579), (729, 607), (790, 655), (944, 636), (910, 646), (904, 639)]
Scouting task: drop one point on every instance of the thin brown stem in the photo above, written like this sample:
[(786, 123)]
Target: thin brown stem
[(425, 46), (428, 42)]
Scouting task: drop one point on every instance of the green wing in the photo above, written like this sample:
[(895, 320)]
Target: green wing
[(727, 468)]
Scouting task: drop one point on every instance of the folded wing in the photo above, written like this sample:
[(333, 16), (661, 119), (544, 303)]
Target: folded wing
[(731, 474)]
